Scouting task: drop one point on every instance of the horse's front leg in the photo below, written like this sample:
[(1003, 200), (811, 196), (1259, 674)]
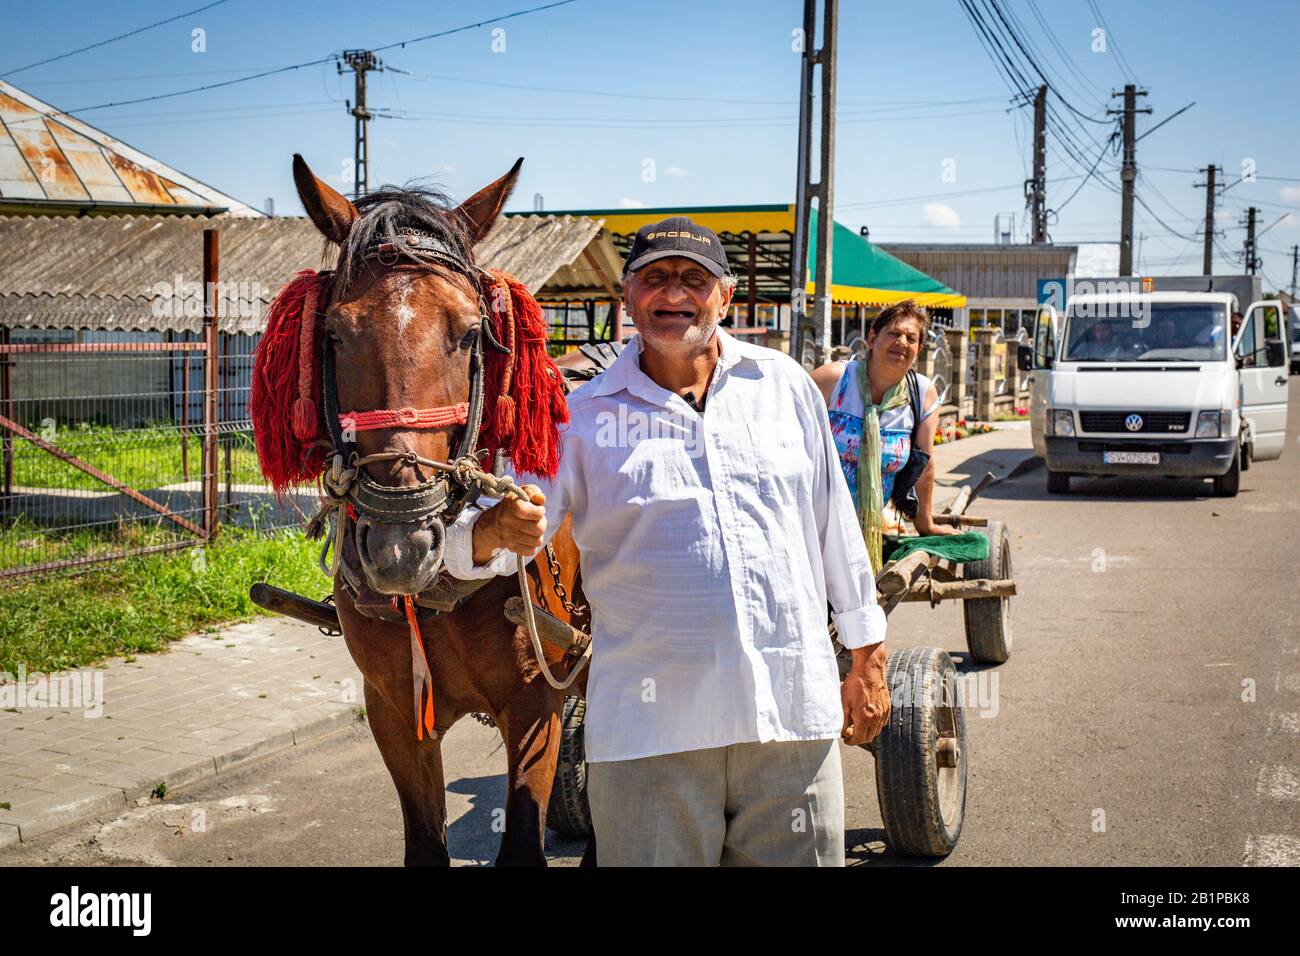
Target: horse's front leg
[(530, 728), (416, 769)]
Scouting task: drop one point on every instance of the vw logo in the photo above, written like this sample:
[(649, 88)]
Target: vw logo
[(1133, 423)]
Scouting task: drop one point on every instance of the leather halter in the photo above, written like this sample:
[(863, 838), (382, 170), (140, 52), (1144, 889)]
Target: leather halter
[(441, 498)]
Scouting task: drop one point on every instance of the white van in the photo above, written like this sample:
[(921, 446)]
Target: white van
[(1154, 383)]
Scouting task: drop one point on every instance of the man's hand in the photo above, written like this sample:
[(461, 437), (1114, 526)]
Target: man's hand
[(513, 524), (865, 696)]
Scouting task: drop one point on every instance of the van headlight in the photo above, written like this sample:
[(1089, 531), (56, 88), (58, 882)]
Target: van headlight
[(1060, 423), (1213, 424)]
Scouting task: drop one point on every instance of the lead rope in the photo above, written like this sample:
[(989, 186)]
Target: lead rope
[(499, 487)]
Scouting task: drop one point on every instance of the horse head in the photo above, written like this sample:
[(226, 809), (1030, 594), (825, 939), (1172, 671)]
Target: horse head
[(403, 331)]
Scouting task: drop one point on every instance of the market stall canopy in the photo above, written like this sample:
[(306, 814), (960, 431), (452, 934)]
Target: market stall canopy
[(861, 273)]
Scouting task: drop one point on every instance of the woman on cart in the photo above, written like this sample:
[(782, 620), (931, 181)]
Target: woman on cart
[(882, 416)]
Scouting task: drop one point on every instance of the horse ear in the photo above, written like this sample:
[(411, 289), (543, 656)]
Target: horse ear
[(479, 212), (331, 211)]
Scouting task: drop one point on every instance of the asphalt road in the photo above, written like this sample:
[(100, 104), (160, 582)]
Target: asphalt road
[(1148, 714)]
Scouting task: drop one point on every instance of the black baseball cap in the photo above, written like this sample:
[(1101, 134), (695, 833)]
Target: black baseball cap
[(677, 236)]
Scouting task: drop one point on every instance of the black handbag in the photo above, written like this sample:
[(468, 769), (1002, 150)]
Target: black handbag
[(904, 496)]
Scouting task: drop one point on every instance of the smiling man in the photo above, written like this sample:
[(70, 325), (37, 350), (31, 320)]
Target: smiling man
[(713, 529)]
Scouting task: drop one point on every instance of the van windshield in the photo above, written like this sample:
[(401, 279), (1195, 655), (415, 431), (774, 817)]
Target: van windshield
[(1166, 332)]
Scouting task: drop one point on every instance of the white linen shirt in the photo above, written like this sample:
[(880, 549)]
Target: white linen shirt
[(710, 543)]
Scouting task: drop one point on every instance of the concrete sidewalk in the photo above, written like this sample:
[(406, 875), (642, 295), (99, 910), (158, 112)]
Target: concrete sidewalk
[(210, 703), (216, 701)]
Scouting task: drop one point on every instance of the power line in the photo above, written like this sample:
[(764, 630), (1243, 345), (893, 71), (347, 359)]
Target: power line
[(616, 122), (326, 59), (1083, 182), (120, 36), (672, 98), (1065, 57), (1110, 37)]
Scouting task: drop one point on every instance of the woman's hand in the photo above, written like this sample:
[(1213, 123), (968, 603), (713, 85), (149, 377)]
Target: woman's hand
[(925, 526)]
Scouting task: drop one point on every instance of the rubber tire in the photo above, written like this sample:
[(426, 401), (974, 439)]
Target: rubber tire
[(988, 620), (1058, 483), (1247, 456), (568, 812), (1228, 484), (907, 774)]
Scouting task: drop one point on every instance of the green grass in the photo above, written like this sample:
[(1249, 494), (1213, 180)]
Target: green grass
[(137, 605), (141, 457)]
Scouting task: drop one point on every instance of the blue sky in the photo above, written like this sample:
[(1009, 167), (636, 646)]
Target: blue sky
[(705, 90)]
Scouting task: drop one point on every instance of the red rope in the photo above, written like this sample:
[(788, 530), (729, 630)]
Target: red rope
[(408, 417)]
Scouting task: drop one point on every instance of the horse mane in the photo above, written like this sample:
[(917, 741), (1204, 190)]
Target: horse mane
[(392, 208)]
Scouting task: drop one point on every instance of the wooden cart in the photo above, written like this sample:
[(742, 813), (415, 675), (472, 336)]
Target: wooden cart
[(922, 753)]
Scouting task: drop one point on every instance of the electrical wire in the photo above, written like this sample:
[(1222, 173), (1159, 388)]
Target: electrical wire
[(120, 36), (325, 59)]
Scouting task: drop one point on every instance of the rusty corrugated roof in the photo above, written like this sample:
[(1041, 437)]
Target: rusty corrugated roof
[(145, 272), (51, 162)]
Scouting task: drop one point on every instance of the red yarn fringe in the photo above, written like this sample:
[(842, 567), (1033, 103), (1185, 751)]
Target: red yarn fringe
[(524, 394), (524, 402), (284, 407)]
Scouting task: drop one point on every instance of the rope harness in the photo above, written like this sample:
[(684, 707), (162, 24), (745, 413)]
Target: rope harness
[(347, 489)]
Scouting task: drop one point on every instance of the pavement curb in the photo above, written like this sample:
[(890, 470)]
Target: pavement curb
[(184, 774)]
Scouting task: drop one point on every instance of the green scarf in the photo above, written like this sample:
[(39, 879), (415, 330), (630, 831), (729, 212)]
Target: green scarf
[(871, 502)]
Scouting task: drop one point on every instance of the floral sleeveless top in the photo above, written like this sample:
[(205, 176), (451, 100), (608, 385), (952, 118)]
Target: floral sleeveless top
[(846, 412)]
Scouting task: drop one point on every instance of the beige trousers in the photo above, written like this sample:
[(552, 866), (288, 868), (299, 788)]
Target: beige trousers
[(772, 804)]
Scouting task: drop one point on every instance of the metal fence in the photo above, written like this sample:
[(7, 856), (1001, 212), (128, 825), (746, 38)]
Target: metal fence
[(122, 443)]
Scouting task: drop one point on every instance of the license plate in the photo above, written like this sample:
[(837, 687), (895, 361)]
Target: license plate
[(1130, 457)]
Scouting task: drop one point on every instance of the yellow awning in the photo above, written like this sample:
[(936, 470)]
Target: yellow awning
[(855, 295)]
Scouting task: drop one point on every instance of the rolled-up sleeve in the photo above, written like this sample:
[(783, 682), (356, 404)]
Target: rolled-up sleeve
[(850, 583)]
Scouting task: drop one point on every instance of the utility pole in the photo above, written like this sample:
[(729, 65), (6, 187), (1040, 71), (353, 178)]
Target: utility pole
[(1295, 261), (810, 330), (1207, 263), (361, 62), (1038, 185), (1252, 261), (1128, 174)]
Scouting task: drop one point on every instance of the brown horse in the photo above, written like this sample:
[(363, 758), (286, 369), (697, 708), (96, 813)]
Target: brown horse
[(399, 326)]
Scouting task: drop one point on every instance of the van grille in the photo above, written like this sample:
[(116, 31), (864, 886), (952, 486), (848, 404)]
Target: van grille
[(1152, 422)]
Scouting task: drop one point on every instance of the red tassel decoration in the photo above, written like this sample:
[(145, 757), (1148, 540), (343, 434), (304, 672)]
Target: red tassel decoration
[(524, 387), (285, 408)]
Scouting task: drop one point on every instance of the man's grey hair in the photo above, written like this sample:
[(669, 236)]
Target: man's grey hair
[(728, 283)]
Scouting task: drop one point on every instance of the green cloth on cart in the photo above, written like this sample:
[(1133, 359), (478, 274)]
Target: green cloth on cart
[(959, 548)]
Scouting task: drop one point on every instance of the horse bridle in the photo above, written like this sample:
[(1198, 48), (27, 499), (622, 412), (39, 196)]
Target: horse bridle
[(346, 486)]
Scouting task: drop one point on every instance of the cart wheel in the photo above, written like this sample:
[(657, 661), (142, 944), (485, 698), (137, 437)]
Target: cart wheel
[(988, 620), (921, 755), (568, 813)]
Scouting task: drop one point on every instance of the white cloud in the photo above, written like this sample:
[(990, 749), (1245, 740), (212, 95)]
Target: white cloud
[(941, 216), (1290, 193), (626, 203), (675, 171)]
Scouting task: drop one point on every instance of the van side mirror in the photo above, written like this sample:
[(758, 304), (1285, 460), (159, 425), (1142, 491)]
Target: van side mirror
[(1276, 353), (1025, 358)]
